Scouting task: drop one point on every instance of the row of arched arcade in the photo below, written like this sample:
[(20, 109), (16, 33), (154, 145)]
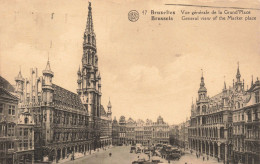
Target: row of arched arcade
[(216, 149), (62, 152)]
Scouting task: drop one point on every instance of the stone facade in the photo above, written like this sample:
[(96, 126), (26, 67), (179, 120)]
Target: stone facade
[(226, 126), (106, 126), (160, 132), (139, 132), (130, 131), (115, 132), (122, 130), (16, 128), (58, 124)]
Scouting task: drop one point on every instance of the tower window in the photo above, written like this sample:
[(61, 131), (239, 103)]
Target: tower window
[(198, 109), (93, 40), (26, 120), (257, 97), (204, 108), (88, 38), (1, 108)]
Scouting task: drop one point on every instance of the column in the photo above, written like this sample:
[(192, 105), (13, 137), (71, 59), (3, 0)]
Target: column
[(55, 155), (226, 153), (33, 158), (213, 149), (218, 132), (219, 151), (201, 147), (197, 147), (66, 152), (61, 155), (209, 149)]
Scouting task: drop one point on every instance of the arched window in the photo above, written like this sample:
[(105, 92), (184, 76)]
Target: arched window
[(88, 38), (93, 40), (89, 57), (198, 109), (204, 108), (26, 120)]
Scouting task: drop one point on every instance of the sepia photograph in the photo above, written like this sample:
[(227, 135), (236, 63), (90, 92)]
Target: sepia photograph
[(129, 82)]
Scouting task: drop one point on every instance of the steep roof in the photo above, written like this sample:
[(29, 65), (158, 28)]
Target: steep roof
[(5, 94), (6, 85), (67, 98)]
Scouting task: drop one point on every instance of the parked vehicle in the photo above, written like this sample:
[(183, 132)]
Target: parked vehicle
[(143, 161), (132, 149), (173, 156), (139, 161)]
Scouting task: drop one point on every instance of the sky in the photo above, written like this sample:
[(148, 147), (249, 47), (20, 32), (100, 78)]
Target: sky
[(148, 68)]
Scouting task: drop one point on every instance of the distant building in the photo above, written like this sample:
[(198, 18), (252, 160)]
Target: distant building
[(160, 132), (148, 127), (115, 132), (106, 126), (174, 135), (122, 130), (179, 135), (139, 132), (130, 131)]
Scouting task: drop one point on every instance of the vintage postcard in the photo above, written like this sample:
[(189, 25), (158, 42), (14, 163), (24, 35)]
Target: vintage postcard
[(130, 82)]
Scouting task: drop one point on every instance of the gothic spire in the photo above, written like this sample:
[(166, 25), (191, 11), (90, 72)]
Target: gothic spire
[(48, 69), (202, 84), (109, 104), (19, 76), (48, 66), (20, 73), (238, 73), (89, 28)]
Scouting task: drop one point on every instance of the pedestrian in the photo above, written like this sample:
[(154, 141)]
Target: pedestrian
[(169, 161), (203, 158)]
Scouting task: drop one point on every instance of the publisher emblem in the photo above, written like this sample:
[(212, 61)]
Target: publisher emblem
[(133, 15)]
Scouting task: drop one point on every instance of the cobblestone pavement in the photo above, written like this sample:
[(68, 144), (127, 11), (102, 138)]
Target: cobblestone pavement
[(122, 155), (192, 159)]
